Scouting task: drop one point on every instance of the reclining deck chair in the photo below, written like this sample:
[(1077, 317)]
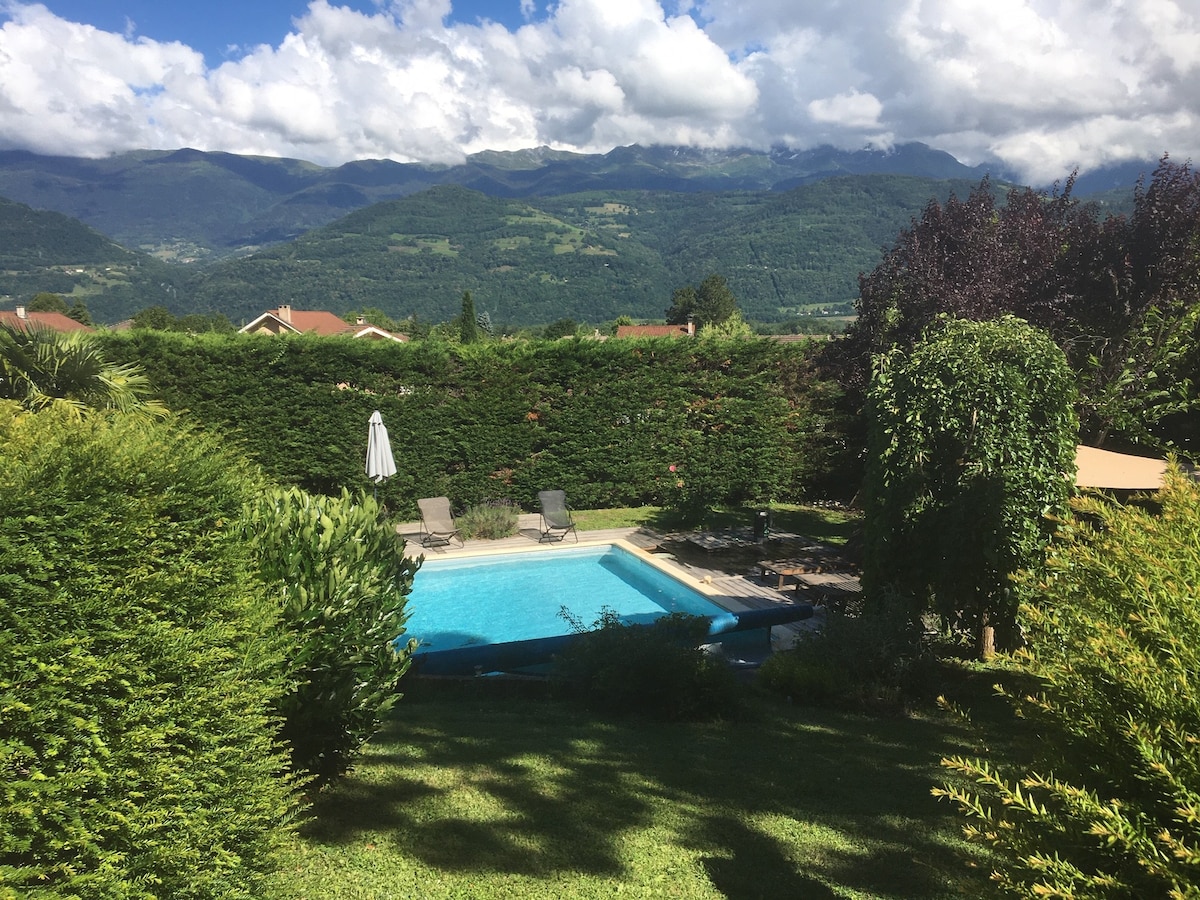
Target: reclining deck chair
[(556, 518), (437, 522)]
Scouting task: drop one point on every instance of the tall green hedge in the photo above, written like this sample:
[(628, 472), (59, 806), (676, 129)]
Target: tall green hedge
[(604, 421), (138, 666)]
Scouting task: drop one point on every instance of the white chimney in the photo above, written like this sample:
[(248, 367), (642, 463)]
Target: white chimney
[(362, 320), (21, 313), (285, 312)]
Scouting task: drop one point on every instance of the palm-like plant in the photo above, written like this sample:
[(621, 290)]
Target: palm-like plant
[(41, 368)]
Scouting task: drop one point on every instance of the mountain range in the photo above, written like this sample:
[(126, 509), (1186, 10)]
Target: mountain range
[(537, 234)]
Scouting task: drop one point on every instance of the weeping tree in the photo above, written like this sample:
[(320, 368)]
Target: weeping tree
[(971, 444)]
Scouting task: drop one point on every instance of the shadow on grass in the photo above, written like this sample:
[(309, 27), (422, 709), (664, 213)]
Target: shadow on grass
[(756, 866), (478, 783)]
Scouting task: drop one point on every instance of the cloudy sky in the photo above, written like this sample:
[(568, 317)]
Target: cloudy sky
[(1037, 86)]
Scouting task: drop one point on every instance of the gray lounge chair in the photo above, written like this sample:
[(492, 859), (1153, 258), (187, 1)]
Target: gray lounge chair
[(437, 522), (556, 518)]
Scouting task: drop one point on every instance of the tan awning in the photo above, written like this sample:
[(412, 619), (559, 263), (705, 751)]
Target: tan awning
[(1120, 471)]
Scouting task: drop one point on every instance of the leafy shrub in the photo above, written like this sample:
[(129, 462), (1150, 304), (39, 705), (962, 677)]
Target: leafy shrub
[(491, 520), (342, 583), (971, 436), (657, 670), (875, 660), (1112, 807), (139, 665)]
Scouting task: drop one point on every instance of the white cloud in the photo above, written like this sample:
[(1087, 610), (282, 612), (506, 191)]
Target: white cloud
[(850, 110), (1039, 85)]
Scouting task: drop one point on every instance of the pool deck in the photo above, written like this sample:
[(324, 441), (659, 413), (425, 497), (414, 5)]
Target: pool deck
[(733, 591)]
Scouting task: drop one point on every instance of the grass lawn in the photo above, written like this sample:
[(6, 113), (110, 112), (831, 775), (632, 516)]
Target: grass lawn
[(491, 789), (833, 526)]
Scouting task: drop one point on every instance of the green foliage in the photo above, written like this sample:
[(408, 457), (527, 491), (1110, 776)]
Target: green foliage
[(602, 420), (490, 520), (47, 253), (559, 329), (37, 238), (875, 660), (733, 327), (342, 583), (657, 670), (468, 325), (971, 444), (590, 256), (1117, 294), (1111, 807), (47, 302), (139, 664), (80, 313), (710, 304), (160, 318), (154, 317), (41, 368)]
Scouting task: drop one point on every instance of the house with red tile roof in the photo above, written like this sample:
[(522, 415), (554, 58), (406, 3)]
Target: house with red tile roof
[(286, 320), (688, 329), (23, 319)]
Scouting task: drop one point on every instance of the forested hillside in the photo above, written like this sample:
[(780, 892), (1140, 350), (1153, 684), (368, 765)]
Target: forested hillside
[(50, 252), (591, 256), (188, 204)]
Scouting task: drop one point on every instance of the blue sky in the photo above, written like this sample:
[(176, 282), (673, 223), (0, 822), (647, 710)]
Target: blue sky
[(1035, 87), (214, 26)]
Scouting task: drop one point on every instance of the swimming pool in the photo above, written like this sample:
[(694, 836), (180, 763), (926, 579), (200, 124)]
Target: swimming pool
[(494, 599)]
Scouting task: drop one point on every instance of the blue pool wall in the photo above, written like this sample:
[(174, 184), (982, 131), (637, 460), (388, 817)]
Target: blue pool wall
[(515, 656)]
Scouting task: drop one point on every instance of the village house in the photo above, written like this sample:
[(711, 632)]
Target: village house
[(286, 320), (688, 329), (24, 319)]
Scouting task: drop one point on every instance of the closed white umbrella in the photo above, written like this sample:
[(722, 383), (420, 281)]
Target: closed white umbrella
[(380, 462)]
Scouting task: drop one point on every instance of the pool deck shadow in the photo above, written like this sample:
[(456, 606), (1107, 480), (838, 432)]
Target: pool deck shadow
[(734, 590)]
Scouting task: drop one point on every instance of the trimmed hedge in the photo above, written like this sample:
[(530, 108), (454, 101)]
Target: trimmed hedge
[(138, 664), (601, 420)]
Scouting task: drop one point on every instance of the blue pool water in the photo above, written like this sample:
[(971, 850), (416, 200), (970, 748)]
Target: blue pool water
[(518, 596)]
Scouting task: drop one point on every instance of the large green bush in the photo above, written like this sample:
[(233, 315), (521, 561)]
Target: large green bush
[(139, 665), (342, 583), (1111, 808), (600, 420), (971, 444)]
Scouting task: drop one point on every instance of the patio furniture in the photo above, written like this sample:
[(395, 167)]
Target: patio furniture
[(809, 563), (437, 522), (837, 590), (556, 517)]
